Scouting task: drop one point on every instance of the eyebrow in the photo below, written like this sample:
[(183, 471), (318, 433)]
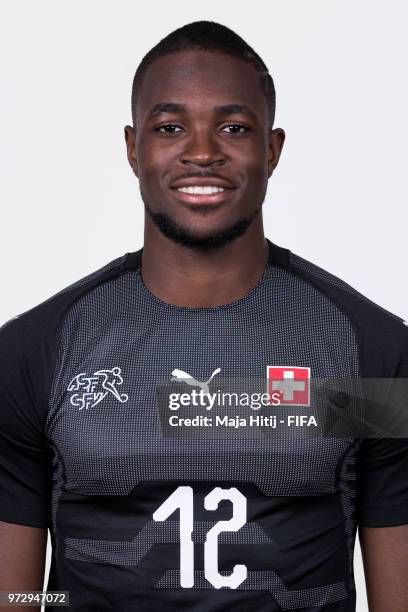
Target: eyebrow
[(167, 107), (224, 109), (234, 109)]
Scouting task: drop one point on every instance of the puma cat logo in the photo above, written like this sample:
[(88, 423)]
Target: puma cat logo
[(182, 376)]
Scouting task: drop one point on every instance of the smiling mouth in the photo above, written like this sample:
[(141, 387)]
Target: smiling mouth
[(203, 194), (201, 189)]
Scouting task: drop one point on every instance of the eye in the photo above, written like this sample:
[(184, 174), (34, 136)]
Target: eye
[(237, 128), (169, 128)]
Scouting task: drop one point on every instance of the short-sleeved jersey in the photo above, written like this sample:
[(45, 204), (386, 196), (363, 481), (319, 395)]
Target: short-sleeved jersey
[(144, 521)]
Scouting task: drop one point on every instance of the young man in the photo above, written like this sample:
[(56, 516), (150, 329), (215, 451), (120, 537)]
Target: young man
[(143, 517)]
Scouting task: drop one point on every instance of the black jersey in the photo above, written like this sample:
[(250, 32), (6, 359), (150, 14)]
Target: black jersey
[(142, 520)]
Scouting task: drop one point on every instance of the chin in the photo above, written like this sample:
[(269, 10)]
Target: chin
[(208, 238)]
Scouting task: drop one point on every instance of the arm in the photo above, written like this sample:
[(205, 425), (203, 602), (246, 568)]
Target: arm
[(22, 560), (385, 558)]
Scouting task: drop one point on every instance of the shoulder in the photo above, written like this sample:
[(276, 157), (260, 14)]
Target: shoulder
[(335, 286), (33, 325), (29, 343), (381, 334)]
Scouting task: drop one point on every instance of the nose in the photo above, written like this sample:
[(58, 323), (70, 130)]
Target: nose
[(202, 150)]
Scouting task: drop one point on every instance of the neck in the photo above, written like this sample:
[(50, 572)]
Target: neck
[(187, 277)]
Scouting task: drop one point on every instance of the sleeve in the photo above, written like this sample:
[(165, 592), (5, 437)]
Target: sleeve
[(383, 465), (24, 455)]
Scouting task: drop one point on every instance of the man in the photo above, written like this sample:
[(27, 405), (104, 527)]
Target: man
[(145, 518)]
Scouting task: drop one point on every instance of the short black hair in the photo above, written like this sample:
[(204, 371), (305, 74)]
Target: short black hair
[(207, 36)]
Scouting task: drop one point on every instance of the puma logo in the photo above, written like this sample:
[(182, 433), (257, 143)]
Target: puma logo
[(187, 378)]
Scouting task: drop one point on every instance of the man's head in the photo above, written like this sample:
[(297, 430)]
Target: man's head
[(207, 36), (203, 106)]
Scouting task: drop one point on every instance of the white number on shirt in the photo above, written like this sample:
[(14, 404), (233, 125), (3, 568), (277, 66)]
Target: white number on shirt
[(182, 499)]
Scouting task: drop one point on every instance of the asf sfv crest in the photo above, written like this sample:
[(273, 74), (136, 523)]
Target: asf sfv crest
[(91, 390)]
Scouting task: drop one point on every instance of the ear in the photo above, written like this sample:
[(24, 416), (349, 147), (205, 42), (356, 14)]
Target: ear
[(276, 140), (130, 138)]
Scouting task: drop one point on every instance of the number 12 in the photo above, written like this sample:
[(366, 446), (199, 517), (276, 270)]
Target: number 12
[(182, 499)]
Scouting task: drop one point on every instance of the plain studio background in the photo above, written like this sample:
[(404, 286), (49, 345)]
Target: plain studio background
[(70, 203)]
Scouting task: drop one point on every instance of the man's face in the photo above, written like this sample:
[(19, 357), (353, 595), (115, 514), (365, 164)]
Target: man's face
[(202, 125)]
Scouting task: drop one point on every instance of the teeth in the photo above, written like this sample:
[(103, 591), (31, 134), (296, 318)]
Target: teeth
[(201, 190)]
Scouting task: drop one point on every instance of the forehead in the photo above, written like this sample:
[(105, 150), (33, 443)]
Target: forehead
[(201, 79)]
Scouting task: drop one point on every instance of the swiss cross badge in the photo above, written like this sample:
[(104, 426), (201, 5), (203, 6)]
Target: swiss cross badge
[(290, 383)]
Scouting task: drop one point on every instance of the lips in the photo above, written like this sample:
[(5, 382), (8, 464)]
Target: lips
[(202, 182), (203, 198), (200, 190)]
